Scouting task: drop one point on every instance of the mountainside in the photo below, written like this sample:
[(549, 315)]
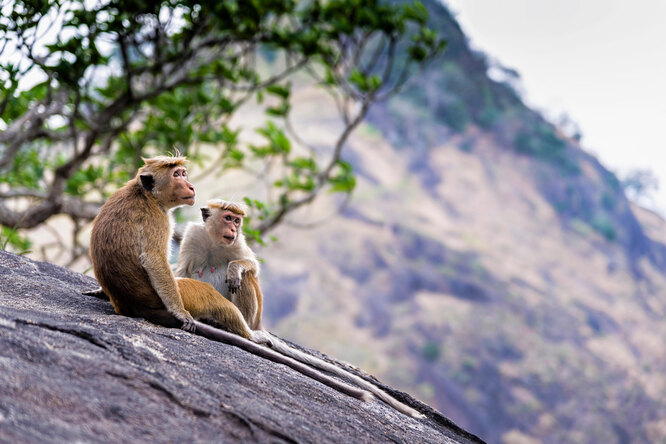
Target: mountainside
[(486, 264), (74, 371)]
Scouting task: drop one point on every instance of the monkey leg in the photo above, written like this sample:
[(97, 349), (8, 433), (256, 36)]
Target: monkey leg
[(204, 302), (249, 300)]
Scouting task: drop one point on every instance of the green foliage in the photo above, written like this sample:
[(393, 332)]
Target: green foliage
[(603, 224), (454, 115), (364, 83), (261, 212), (541, 141), (431, 351), (278, 142), (613, 182), (86, 180), (581, 227), (120, 81), (11, 237), (608, 202), (27, 169), (344, 181), (488, 116)]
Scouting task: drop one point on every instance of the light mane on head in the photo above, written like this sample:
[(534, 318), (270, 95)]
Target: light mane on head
[(158, 163), (235, 207)]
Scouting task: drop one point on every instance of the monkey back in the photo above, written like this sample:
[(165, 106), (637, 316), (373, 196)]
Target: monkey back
[(128, 220)]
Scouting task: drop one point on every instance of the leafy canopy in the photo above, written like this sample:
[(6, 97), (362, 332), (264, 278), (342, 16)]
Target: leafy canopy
[(87, 88)]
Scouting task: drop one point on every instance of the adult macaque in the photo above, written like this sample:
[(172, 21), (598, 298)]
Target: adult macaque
[(129, 247), (216, 252)]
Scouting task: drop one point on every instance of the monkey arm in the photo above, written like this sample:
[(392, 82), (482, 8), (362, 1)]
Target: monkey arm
[(162, 279), (235, 271), (245, 266), (194, 252), (184, 266)]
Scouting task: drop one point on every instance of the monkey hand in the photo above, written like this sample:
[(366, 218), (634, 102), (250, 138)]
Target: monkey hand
[(233, 283), (188, 321), (234, 277)]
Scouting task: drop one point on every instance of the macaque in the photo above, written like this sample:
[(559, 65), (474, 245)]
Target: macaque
[(215, 251), (129, 247)]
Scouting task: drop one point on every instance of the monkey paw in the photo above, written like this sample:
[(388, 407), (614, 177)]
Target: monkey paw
[(189, 326), (234, 283), (188, 323), (200, 272)]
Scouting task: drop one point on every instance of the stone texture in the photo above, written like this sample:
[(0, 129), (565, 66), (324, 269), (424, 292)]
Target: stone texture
[(71, 370)]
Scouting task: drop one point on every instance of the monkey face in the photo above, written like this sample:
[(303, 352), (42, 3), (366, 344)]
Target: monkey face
[(224, 226), (170, 187), (183, 189)]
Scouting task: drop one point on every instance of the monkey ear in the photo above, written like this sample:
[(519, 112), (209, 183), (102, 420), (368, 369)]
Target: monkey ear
[(205, 213), (148, 181)]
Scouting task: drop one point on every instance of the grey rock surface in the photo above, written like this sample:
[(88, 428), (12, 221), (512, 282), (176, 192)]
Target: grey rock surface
[(71, 370)]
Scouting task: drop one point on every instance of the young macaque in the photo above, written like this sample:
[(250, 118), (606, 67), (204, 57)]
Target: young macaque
[(215, 251)]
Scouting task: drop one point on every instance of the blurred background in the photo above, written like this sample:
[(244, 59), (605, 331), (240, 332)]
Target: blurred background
[(423, 210)]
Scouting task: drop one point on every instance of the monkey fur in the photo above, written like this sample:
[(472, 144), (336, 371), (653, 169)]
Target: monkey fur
[(227, 263), (129, 248), (215, 251)]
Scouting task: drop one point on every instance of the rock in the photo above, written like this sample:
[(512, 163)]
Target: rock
[(71, 370)]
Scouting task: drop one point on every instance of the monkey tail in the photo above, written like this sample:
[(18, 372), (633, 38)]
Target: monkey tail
[(284, 348), (216, 334)]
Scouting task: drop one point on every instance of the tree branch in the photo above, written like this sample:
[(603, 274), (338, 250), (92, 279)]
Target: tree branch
[(28, 127), (322, 178), (71, 206)]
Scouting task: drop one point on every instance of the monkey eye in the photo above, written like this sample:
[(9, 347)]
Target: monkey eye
[(227, 218), (237, 221)]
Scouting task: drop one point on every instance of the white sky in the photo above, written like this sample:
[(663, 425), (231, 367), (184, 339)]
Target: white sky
[(602, 62)]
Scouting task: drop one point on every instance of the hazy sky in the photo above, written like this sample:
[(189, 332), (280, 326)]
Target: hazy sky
[(602, 62)]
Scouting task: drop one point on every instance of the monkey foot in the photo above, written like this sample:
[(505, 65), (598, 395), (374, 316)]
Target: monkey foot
[(188, 325), (200, 272), (262, 337)]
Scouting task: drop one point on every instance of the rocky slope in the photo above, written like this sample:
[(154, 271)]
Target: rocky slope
[(73, 371)]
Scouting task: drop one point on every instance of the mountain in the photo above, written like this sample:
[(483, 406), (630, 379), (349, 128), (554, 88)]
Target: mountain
[(486, 264)]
